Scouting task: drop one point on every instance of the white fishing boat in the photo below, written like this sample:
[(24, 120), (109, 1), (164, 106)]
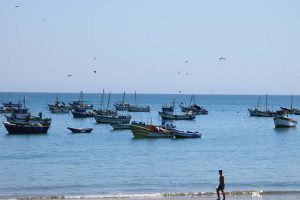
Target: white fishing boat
[(282, 120)]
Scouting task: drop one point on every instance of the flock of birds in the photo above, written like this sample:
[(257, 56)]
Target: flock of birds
[(220, 59)]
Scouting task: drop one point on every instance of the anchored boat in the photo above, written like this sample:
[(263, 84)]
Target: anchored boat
[(150, 131), (138, 108), (169, 116), (292, 109), (80, 103), (255, 112), (122, 105), (80, 130), (283, 121), (26, 128), (59, 107), (185, 134), (193, 107)]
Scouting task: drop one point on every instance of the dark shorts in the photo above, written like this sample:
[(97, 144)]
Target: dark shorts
[(221, 187)]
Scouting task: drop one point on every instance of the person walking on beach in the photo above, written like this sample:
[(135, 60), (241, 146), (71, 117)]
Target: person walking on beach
[(221, 185)]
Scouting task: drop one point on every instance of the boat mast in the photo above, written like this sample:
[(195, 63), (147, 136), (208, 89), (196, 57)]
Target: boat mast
[(57, 98), (266, 102), (123, 100), (292, 102), (108, 101), (191, 100), (24, 101), (102, 98), (81, 96), (258, 103), (135, 97)]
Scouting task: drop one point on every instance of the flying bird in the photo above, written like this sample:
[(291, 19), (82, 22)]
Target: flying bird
[(95, 71), (186, 61), (178, 72), (187, 74), (95, 58), (222, 58), (16, 6), (69, 75)]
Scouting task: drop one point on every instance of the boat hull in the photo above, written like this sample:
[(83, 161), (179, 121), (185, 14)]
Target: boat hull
[(281, 122), (118, 126), (138, 109), (112, 119), (257, 113), (169, 116), (76, 130), (82, 114), (59, 110), (144, 132), (25, 129)]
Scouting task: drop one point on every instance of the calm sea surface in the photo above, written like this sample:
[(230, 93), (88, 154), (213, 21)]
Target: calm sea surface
[(253, 154)]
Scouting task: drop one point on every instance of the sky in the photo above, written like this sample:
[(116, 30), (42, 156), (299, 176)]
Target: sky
[(150, 46)]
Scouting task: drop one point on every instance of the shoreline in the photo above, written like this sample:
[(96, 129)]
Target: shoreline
[(236, 195)]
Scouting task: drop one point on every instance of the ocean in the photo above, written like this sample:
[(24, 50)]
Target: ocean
[(259, 161)]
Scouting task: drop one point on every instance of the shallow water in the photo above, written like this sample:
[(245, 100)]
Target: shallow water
[(253, 154)]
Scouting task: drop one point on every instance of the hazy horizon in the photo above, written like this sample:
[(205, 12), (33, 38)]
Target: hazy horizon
[(155, 47)]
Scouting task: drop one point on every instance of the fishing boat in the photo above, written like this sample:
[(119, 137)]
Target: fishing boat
[(168, 108), (113, 119), (59, 107), (282, 120), (105, 111), (26, 128), (138, 108), (169, 116), (150, 131), (80, 130), (192, 106), (122, 105), (21, 116), (185, 134), (121, 126), (82, 113), (12, 105), (256, 112), (80, 103), (292, 109)]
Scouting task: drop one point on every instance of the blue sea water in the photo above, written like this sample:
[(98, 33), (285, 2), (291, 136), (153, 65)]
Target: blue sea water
[(253, 154)]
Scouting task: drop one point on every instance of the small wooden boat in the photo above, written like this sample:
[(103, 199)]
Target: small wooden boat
[(283, 121), (80, 130), (193, 107), (59, 107), (26, 128), (150, 131), (83, 113), (122, 105), (80, 103), (255, 112), (292, 109), (187, 134), (170, 116), (138, 108)]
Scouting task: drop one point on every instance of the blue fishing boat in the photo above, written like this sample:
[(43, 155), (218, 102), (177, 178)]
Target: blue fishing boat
[(187, 134), (82, 113)]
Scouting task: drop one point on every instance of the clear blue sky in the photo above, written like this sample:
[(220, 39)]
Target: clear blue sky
[(141, 45)]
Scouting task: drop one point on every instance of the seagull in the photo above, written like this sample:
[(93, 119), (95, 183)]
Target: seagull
[(187, 74), (95, 71), (178, 72), (69, 75), (16, 6), (186, 61), (95, 58), (179, 91), (222, 58)]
